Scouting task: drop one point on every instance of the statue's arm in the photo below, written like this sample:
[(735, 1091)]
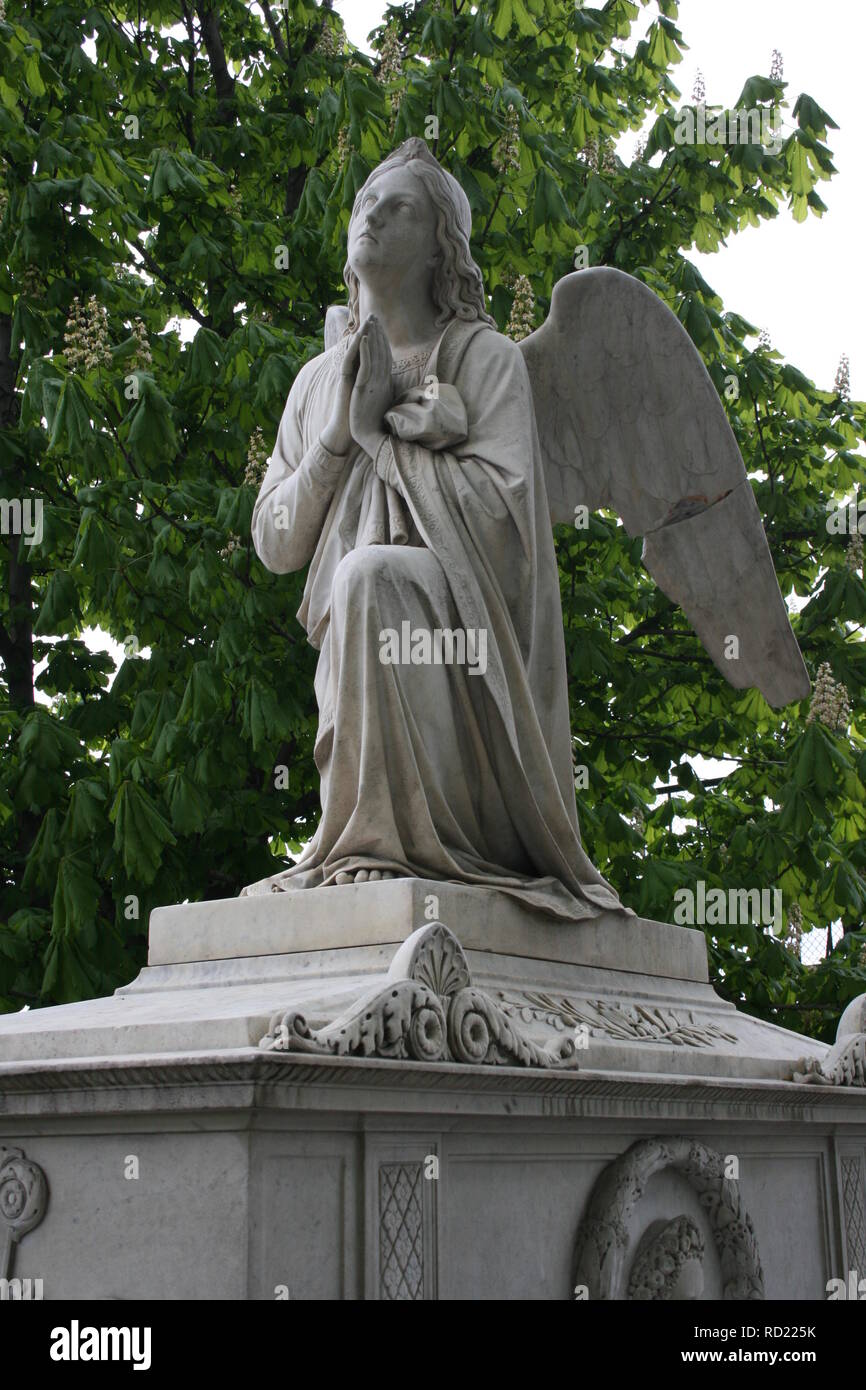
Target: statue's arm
[(483, 422), (296, 492)]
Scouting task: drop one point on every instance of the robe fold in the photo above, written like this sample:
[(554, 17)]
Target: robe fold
[(438, 770)]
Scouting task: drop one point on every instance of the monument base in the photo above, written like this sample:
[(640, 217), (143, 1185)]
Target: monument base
[(632, 994), (586, 1115)]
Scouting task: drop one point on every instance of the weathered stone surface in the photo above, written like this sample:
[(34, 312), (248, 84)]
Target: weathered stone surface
[(668, 1260), (604, 984), (384, 913), (260, 1171), (427, 1009)]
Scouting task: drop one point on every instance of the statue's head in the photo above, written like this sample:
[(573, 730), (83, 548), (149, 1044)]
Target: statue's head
[(412, 217)]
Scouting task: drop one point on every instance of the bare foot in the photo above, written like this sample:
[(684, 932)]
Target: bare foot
[(364, 876)]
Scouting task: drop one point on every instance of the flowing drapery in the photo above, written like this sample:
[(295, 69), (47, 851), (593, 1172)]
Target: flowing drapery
[(435, 771)]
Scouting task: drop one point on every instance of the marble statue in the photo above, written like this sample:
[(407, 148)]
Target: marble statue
[(419, 463), (492, 1016)]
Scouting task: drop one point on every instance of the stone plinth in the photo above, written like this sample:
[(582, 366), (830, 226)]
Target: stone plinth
[(386, 912), (262, 1172), (223, 1128), (635, 989)]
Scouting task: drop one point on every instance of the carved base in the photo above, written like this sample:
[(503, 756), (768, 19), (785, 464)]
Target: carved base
[(428, 1010), (413, 1123), (345, 972), (325, 1177)]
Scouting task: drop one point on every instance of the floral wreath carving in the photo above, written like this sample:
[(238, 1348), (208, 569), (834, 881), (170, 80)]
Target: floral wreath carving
[(666, 1249), (603, 1236), (428, 1011)]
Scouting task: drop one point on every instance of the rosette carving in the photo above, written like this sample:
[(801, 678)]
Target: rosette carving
[(23, 1200), (428, 1011)]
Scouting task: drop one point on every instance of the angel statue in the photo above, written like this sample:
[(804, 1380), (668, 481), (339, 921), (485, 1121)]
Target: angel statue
[(419, 463)]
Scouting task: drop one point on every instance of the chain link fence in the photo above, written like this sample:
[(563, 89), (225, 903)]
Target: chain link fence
[(816, 945)]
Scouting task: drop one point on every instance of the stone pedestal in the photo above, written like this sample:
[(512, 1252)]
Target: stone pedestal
[(418, 1090)]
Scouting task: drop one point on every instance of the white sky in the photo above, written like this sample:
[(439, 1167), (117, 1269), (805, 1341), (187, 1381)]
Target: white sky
[(792, 279)]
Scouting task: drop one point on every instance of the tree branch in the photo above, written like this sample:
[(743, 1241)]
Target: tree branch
[(190, 73), (180, 295), (279, 41), (223, 80)]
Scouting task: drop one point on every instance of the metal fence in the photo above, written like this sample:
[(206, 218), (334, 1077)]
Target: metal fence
[(817, 944)]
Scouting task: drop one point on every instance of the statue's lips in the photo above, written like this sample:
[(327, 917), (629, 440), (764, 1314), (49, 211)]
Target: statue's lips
[(368, 236)]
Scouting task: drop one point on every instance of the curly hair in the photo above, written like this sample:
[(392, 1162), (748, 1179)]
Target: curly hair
[(458, 287)]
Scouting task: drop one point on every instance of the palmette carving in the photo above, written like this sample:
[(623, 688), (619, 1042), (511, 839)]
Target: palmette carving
[(427, 1012), (437, 960)]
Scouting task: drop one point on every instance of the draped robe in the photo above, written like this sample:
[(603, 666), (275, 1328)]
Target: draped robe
[(433, 771)]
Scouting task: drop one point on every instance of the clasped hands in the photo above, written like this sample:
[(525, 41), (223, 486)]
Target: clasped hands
[(364, 392)]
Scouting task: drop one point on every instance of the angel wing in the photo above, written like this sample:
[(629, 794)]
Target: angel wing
[(629, 419), (336, 319)]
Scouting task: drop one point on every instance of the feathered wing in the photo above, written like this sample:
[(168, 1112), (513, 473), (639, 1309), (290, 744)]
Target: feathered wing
[(336, 318), (629, 419)]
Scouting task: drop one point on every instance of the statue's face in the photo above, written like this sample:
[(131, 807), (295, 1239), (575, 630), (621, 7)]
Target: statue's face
[(394, 227)]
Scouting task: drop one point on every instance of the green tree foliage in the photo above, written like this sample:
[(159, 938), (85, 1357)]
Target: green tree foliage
[(173, 162)]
